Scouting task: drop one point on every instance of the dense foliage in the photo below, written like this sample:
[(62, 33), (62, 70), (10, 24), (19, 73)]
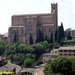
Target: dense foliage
[(57, 46), (68, 34), (39, 62), (60, 66), (2, 47), (39, 36), (39, 50), (60, 33), (28, 62), (17, 52)]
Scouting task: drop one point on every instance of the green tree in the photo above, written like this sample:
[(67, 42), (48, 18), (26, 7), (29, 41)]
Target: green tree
[(39, 62), (11, 57), (56, 36), (18, 58), (39, 36), (28, 62), (57, 46), (59, 35), (61, 65), (2, 46), (31, 39), (68, 34), (11, 48), (29, 55), (23, 48), (47, 69), (38, 50), (62, 31), (72, 60), (8, 49), (51, 38), (45, 44)]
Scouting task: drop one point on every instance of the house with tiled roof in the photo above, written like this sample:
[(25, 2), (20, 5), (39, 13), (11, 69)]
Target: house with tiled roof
[(9, 67), (68, 51)]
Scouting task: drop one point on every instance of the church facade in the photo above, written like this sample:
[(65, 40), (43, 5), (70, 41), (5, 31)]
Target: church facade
[(24, 26)]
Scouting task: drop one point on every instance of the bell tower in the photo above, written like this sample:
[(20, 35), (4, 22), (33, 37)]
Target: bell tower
[(54, 9)]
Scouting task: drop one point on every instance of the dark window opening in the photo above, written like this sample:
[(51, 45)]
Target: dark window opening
[(65, 50), (61, 54)]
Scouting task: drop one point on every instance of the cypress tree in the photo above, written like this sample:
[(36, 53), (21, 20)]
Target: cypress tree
[(59, 35), (31, 39), (51, 38), (15, 38), (39, 37), (62, 31)]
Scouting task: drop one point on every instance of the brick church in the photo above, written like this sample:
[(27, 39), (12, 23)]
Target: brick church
[(23, 26)]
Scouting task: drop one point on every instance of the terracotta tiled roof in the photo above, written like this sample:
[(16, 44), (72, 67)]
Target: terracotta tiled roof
[(7, 68), (10, 67), (30, 70)]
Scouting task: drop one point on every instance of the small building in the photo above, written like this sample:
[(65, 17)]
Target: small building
[(66, 51), (5, 37), (8, 67), (62, 51), (52, 55), (73, 33), (15, 69)]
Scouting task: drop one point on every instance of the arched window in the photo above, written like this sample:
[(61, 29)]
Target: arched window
[(29, 27)]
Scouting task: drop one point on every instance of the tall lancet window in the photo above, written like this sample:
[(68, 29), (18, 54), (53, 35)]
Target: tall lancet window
[(29, 27)]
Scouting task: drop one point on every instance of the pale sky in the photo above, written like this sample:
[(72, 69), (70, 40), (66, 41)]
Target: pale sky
[(66, 11)]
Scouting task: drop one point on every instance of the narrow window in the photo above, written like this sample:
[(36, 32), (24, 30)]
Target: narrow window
[(49, 30)]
